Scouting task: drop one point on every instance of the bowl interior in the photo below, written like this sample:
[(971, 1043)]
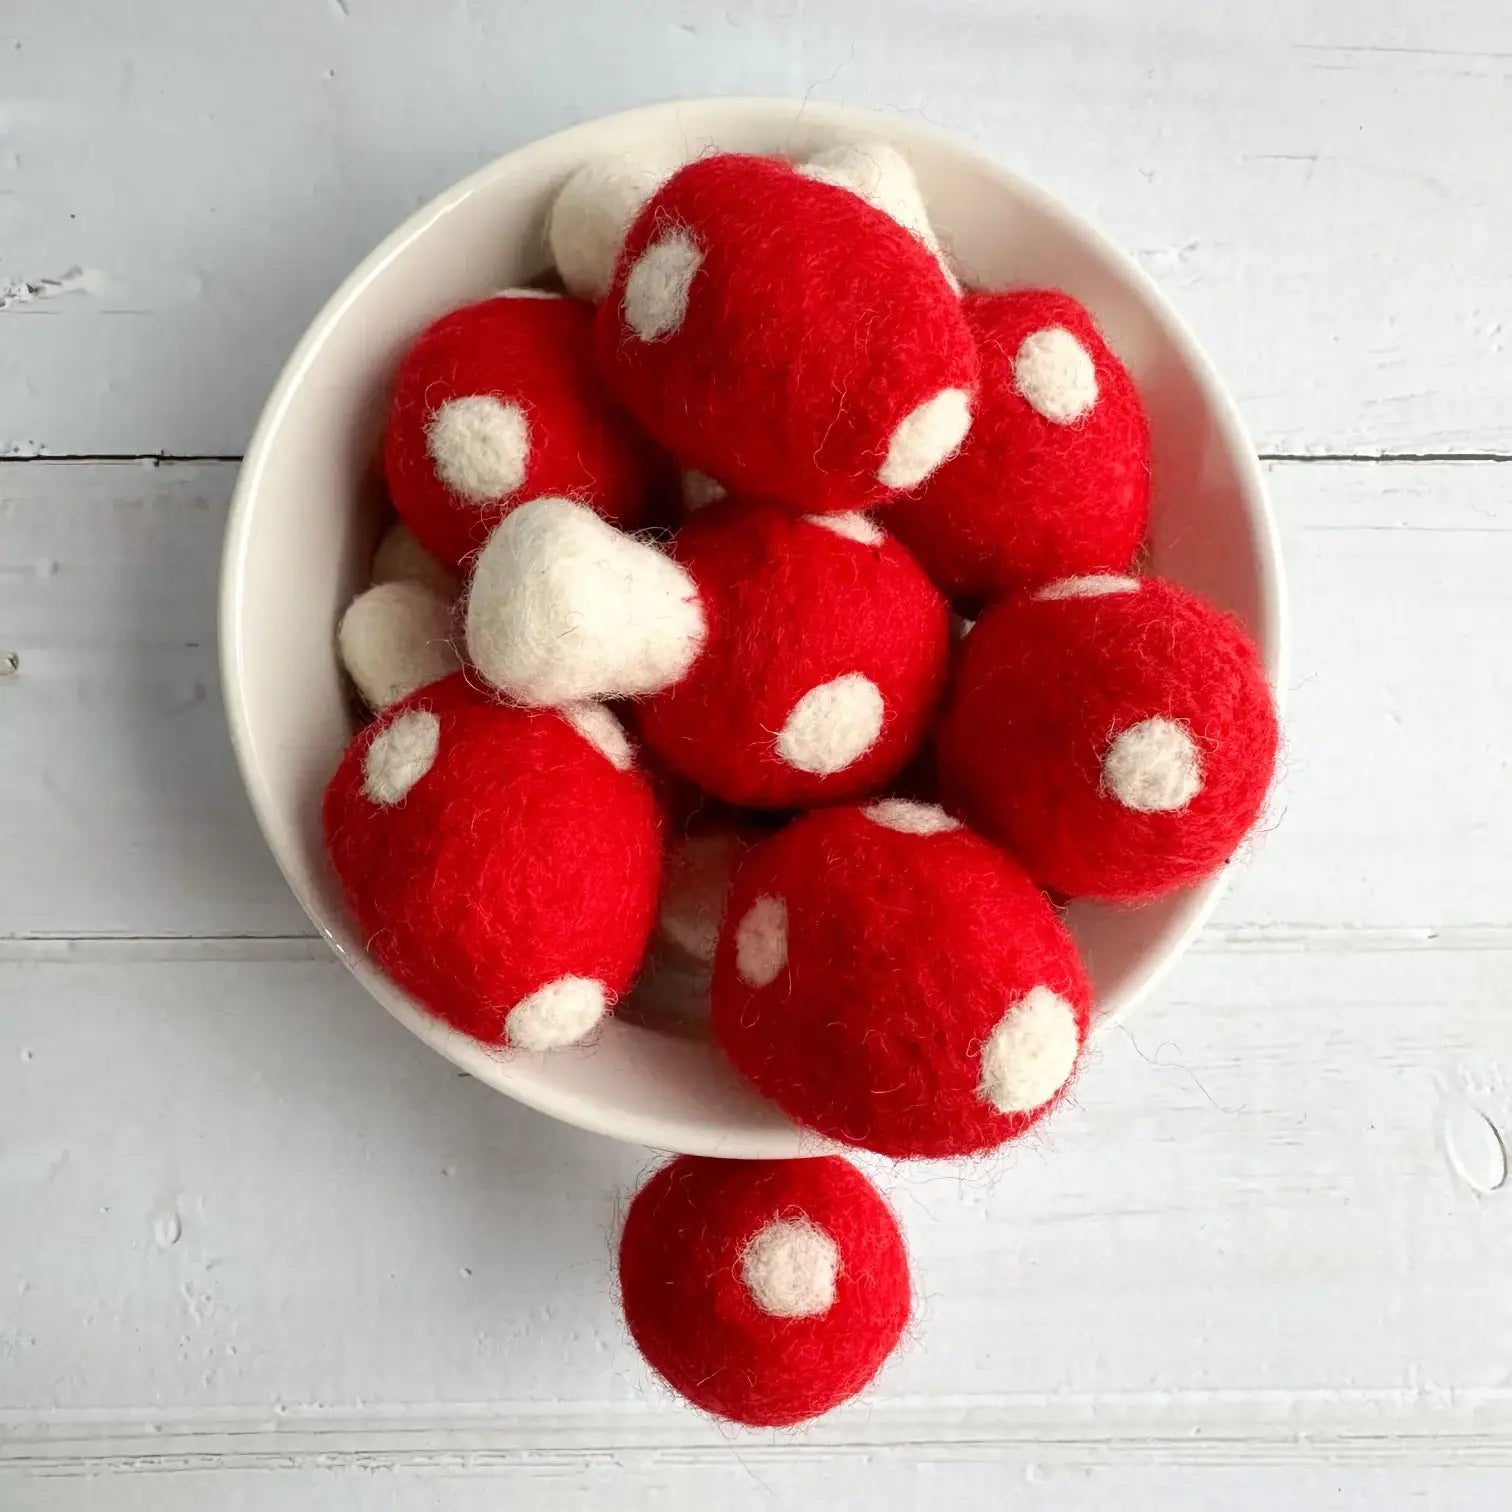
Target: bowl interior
[(308, 506)]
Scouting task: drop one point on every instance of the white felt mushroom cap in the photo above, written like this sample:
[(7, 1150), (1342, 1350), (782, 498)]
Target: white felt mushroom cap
[(564, 607)]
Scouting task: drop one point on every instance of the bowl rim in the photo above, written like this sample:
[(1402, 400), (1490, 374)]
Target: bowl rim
[(1271, 631)]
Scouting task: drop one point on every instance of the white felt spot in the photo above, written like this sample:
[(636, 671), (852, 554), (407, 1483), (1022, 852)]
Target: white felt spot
[(699, 490), (560, 1013), (400, 558), (854, 527), (399, 755), (881, 175), (790, 1268), (761, 942), (480, 446), (832, 725), (925, 437), (563, 607), (395, 638), (593, 212), (1153, 767), (1092, 585), (657, 287), (910, 818), (1055, 374), (602, 731), (960, 627), (1028, 1057), (699, 869), (524, 293)]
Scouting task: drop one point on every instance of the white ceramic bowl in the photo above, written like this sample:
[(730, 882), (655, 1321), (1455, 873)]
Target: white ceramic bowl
[(306, 512)]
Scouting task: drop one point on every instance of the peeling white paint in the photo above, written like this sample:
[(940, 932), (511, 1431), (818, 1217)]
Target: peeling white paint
[(75, 280)]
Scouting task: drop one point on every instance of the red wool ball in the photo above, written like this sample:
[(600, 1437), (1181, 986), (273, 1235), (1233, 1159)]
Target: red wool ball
[(822, 663), (763, 1291), (498, 402), (1054, 479), (503, 863), (780, 659), (892, 980), (780, 334), (1117, 735)]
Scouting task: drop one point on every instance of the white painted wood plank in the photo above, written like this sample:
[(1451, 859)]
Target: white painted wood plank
[(1399, 721), (124, 811), (902, 1480), (1321, 189), (243, 1214), (127, 818)]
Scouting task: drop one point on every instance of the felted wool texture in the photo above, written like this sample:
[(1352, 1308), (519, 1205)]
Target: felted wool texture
[(1118, 741), (500, 402), (705, 1239), (822, 664), (882, 176), (593, 211), (400, 558), (492, 854), (562, 606), (785, 337), (893, 981), (1030, 498), (394, 638)]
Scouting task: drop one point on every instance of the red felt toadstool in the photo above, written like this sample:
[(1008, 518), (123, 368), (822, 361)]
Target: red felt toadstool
[(503, 863), (892, 980), (782, 335), (778, 659), (1116, 734), (763, 1291), (498, 402)]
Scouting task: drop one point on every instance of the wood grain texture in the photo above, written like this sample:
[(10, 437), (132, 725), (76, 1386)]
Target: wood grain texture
[(125, 813), (1246, 1241), (1320, 189), (904, 1479)]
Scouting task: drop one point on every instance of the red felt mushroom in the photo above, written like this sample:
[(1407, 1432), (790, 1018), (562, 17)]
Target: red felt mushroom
[(779, 659), (778, 333), (1116, 734), (503, 863), (498, 402), (884, 178), (892, 980), (763, 1291), (822, 664), (1054, 479)]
